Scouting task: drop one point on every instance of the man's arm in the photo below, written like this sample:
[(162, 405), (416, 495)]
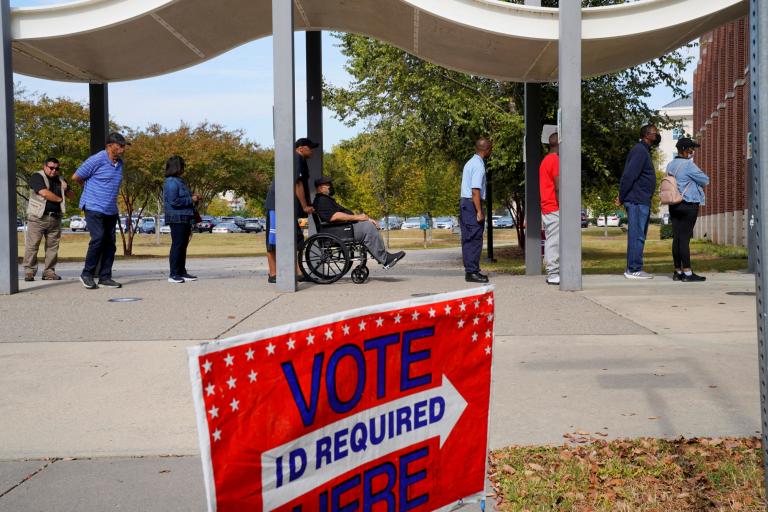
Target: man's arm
[(299, 190), (49, 196), (77, 179), (478, 205), (345, 217), (632, 170)]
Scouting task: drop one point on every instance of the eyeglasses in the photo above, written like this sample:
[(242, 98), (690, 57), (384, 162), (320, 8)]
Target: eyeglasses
[(53, 168)]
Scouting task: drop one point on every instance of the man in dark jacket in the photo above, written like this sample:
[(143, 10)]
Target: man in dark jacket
[(636, 188)]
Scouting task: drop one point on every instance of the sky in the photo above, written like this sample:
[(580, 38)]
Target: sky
[(234, 90)]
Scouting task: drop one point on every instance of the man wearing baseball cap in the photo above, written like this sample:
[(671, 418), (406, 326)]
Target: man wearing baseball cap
[(302, 203), (101, 176), (365, 228)]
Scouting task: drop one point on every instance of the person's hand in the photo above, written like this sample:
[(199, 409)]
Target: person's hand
[(195, 198), (363, 217), (373, 221), (309, 210), (480, 217)]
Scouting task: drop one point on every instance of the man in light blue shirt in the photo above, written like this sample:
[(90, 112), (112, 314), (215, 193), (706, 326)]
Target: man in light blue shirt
[(101, 176), (471, 218)]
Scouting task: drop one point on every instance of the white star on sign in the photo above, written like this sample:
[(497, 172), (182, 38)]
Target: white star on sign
[(448, 310), (252, 376), (361, 325), (210, 389), (463, 306), (345, 328), (477, 304), (229, 359), (476, 320), (291, 344), (431, 313), (461, 323), (490, 317), (231, 382), (270, 348), (489, 300), (207, 366), (415, 315), (311, 339), (217, 435), (487, 351), (214, 412), (488, 333), (474, 336), (397, 318), (328, 334), (249, 354), (234, 404), (379, 322)]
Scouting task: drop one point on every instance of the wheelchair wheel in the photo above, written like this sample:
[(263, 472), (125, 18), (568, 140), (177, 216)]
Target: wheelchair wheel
[(325, 259), (360, 274)]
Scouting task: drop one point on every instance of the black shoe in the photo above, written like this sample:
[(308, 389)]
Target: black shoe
[(272, 279), (109, 283), (475, 277), (693, 278), (301, 278), (393, 258), (88, 282), (677, 276), (188, 277), (29, 277)]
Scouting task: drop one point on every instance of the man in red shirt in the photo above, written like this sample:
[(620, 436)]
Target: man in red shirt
[(549, 187)]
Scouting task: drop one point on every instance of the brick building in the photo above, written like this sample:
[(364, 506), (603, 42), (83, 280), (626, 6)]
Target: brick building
[(720, 123)]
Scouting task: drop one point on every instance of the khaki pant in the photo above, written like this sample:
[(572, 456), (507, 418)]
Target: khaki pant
[(551, 224), (47, 227)]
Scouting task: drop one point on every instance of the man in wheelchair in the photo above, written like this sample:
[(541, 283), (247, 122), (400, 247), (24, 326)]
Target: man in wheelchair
[(365, 229)]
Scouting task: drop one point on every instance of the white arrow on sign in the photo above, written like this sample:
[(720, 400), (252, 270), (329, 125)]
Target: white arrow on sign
[(314, 476)]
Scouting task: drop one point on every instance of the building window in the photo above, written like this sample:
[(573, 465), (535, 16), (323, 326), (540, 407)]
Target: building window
[(677, 133)]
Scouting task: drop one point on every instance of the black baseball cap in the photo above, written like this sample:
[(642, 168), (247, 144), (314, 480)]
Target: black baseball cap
[(306, 142), (686, 143), (323, 180), (116, 138)]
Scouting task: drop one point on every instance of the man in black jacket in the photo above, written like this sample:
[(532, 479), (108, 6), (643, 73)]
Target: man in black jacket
[(636, 188), (365, 229)]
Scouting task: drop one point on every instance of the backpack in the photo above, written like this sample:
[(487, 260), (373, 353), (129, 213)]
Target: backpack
[(669, 193)]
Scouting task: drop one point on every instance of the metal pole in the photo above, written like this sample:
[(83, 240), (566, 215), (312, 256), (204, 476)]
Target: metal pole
[(9, 248), (569, 78), (489, 215), (285, 130), (98, 95), (532, 162), (315, 107), (758, 23)]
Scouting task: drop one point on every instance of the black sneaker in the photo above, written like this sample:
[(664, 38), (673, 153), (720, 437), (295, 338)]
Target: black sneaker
[(109, 283), (88, 282), (475, 277), (188, 277), (693, 278), (677, 276), (393, 258), (271, 279), (176, 279)]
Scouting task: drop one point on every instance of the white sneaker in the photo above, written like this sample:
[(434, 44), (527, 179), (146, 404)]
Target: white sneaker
[(175, 279), (640, 274), (553, 279)]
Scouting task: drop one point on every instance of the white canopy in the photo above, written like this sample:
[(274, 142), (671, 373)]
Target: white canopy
[(116, 40)]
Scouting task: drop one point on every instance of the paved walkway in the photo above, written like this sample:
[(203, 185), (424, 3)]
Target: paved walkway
[(97, 411)]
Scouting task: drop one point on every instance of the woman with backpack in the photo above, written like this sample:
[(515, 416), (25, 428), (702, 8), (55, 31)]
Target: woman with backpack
[(690, 183)]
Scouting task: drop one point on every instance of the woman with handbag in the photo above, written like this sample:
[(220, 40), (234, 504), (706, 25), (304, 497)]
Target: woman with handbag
[(179, 215), (690, 182)]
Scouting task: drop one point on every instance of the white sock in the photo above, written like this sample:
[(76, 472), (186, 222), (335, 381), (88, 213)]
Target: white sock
[(688, 272)]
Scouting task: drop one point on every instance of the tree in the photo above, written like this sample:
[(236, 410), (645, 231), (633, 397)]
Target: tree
[(218, 207)]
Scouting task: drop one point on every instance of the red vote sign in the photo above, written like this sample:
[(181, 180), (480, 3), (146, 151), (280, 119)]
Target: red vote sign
[(383, 408)]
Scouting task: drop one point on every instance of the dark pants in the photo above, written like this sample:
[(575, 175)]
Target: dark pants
[(471, 235), (101, 248), (638, 216), (683, 217), (180, 232)]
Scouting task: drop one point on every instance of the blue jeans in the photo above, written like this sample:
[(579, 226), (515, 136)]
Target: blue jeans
[(638, 216), (101, 248)]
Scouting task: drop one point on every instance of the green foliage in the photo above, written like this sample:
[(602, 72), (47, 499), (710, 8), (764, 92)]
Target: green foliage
[(665, 231), (218, 207)]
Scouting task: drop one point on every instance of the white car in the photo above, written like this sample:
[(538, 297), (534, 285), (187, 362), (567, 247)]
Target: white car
[(613, 220), (77, 223), (443, 223), (411, 223), (165, 229), (227, 227)]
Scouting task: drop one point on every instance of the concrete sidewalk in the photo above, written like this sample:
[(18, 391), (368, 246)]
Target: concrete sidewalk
[(106, 382)]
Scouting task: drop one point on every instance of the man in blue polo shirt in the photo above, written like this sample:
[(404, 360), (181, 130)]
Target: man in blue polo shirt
[(101, 176), (471, 215)]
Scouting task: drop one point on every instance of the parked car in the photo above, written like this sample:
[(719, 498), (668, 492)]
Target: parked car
[(390, 222), (165, 229), (206, 223), (505, 222), (252, 226), (443, 223), (495, 220), (411, 223), (227, 227), (147, 225), (613, 220), (77, 223), (20, 225)]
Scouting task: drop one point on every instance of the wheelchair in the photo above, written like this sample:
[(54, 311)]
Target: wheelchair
[(327, 256)]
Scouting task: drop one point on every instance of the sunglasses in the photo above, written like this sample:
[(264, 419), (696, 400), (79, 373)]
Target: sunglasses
[(56, 168)]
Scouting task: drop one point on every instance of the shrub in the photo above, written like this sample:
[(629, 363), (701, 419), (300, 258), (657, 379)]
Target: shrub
[(665, 231)]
